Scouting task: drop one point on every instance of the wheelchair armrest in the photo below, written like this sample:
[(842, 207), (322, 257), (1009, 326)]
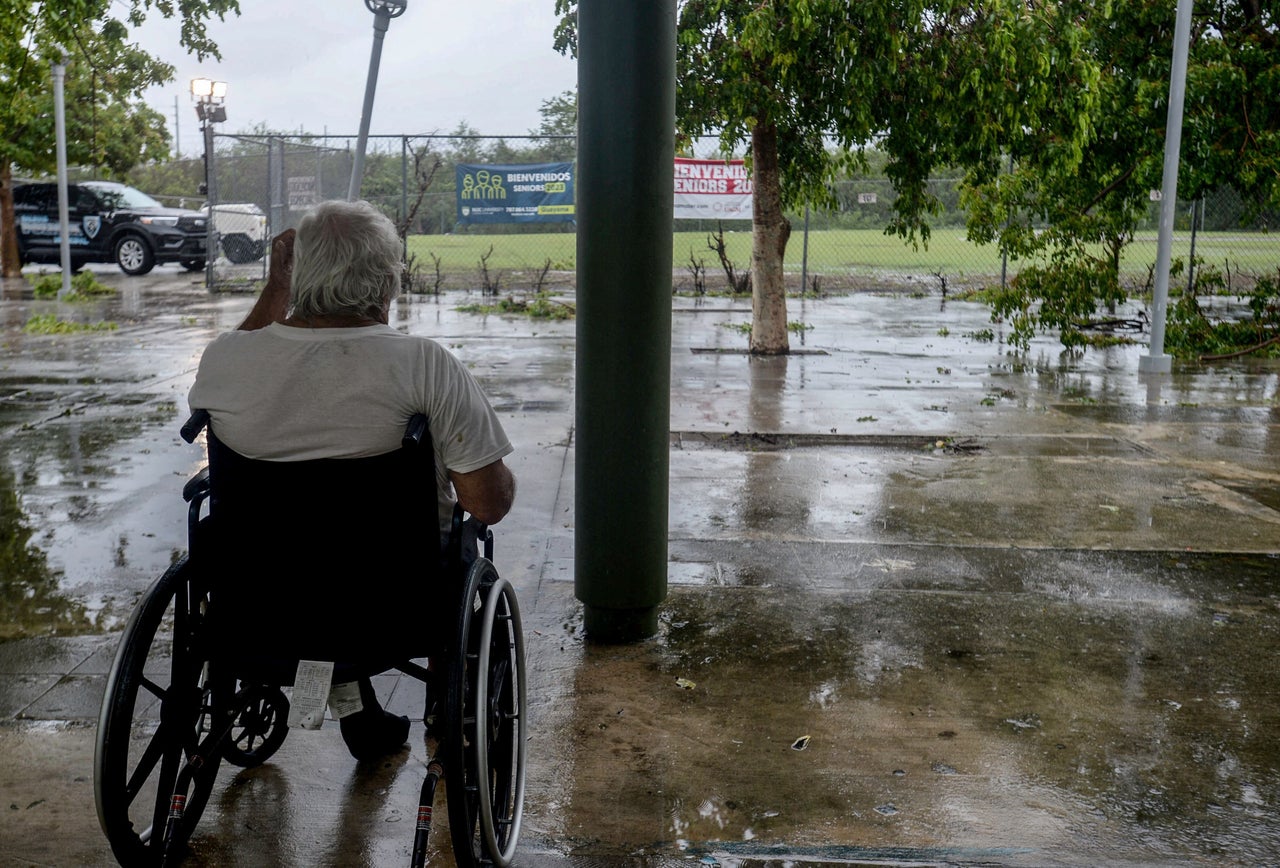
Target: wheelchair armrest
[(194, 425), (197, 486), (466, 526)]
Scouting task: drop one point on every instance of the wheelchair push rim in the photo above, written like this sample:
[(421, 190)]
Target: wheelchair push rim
[(160, 705), (486, 736), (496, 712)]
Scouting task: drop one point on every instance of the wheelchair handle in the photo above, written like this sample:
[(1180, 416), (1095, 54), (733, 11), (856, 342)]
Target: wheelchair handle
[(195, 423), (415, 431)]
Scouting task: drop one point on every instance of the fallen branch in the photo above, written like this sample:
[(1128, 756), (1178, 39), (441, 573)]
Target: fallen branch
[(1217, 357), (1135, 325)]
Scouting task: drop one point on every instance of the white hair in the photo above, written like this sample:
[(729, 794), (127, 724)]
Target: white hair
[(346, 261)]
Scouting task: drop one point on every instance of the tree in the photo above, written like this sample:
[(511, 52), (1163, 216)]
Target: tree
[(811, 84), (1075, 226), (107, 124), (559, 119)]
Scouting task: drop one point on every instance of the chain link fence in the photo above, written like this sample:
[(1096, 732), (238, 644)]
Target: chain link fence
[(263, 184)]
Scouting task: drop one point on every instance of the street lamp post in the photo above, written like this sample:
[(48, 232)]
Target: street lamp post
[(383, 11), (210, 109), (1156, 361), (60, 131)]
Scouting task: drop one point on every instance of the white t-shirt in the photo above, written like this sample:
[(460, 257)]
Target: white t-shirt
[(284, 393)]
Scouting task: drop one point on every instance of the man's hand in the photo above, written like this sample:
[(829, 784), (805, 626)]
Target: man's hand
[(281, 270), (273, 303)]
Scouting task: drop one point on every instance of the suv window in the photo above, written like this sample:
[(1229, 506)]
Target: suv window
[(37, 196), (83, 199), (121, 198)]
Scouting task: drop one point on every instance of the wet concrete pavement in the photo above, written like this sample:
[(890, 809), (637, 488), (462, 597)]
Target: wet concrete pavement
[(1018, 609)]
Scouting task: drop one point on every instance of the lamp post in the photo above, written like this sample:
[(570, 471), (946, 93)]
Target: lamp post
[(59, 68), (1156, 361), (209, 97), (383, 11)]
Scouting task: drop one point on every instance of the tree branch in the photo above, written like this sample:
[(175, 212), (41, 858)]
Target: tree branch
[(1220, 356), (1107, 190)]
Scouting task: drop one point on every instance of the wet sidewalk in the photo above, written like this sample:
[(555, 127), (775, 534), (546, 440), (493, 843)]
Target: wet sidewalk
[(931, 602)]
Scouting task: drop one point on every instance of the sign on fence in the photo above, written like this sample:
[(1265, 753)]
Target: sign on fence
[(527, 193), (302, 192), (712, 190)]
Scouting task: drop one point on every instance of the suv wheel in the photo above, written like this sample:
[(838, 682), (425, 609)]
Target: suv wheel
[(240, 249), (133, 255)]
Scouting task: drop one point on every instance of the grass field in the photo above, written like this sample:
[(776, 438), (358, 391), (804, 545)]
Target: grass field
[(844, 253)]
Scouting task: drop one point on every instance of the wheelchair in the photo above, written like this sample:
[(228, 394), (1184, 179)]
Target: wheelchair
[(199, 673)]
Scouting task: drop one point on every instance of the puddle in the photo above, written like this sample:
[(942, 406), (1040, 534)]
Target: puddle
[(31, 599), (1267, 495)]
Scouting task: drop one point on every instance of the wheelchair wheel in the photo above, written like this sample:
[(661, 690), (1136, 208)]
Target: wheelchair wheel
[(260, 725), (155, 698), (486, 727)]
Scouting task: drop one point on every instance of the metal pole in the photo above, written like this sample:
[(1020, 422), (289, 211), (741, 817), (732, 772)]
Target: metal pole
[(1156, 361), (380, 22), (626, 86), (404, 195), (804, 255), (276, 185), (60, 132), (1004, 251), (1197, 209), (211, 193)]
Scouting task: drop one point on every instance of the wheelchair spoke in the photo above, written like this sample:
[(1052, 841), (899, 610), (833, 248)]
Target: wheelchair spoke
[(154, 689), (146, 764), (257, 725)]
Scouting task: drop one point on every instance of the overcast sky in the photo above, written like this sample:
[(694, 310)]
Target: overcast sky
[(294, 64)]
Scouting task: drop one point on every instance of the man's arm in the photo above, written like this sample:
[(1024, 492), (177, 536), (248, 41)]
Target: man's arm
[(273, 304), (486, 493)]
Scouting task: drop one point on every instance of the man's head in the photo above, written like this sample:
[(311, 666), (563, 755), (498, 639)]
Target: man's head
[(346, 261)]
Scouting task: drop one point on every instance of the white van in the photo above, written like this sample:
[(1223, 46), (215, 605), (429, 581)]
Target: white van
[(243, 229)]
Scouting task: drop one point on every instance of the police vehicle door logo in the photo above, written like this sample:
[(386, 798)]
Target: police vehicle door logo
[(92, 224)]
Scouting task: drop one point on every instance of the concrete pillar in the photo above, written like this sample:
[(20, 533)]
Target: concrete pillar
[(626, 148)]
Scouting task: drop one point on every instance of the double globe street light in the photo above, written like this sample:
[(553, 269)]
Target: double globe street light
[(210, 99), (210, 109)]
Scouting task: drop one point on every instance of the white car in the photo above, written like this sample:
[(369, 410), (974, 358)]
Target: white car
[(242, 227)]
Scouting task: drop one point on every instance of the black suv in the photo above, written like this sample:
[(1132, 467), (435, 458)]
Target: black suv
[(108, 222)]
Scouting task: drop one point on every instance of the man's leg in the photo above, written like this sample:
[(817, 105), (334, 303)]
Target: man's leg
[(372, 732)]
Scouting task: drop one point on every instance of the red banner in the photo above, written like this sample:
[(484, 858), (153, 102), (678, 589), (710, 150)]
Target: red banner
[(712, 190)]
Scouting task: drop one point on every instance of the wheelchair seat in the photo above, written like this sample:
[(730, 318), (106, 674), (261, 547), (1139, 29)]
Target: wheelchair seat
[(330, 560)]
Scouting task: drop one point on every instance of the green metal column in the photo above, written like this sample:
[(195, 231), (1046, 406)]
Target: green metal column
[(626, 146)]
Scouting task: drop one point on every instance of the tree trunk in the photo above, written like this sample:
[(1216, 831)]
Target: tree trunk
[(9, 265), (769, 233)]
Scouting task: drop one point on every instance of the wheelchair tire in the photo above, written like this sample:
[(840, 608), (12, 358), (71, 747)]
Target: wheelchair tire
[(149, 723), (260, 726), (486, 728)]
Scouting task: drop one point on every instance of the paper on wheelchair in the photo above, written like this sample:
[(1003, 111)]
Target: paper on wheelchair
[(310, 694), (314, 691)]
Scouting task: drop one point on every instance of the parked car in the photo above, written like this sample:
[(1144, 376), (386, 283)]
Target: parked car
[(242, 226), (107, 222)]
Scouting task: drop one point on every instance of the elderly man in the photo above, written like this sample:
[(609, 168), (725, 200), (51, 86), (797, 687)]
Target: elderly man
[(315, 371)]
